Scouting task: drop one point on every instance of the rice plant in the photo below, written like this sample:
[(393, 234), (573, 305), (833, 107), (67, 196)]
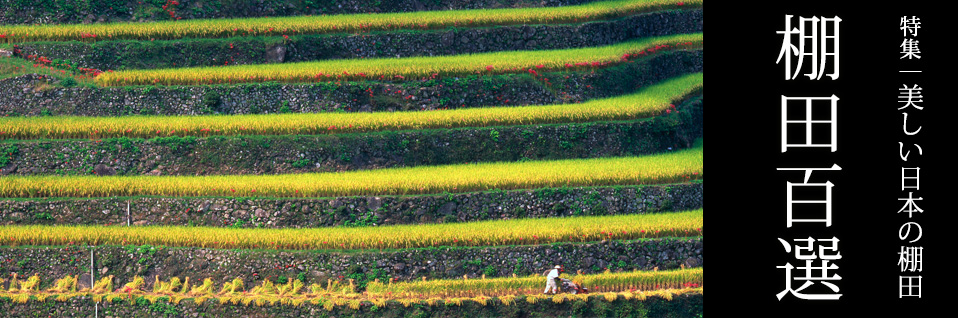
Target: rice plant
[(673, 167), (343, 23), (485, 233), (420, 67), (650, 101)]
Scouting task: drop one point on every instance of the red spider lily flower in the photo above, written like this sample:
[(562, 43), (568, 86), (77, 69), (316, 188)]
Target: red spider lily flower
[(540, 66), (488, 67)]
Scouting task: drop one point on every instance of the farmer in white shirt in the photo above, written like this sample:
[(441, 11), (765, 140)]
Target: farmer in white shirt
[(551, 280)]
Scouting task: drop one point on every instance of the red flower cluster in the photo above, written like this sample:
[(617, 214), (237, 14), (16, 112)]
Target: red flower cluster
[(169, 7), (92, 72), (658, 47)]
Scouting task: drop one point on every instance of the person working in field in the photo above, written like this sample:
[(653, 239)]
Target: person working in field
[(551, 278)]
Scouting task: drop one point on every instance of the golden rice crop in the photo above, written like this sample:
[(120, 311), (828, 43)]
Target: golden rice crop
[(275, 26), (679, 166), (411, 67), (605, 282), (485, 233), (425, 293), (651, 101)]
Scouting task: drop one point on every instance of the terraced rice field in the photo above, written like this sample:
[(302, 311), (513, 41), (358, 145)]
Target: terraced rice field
[(531, 62), (339, 23), (489, 233), (657, 169), (654, 100), (627, 285), (290, 189)]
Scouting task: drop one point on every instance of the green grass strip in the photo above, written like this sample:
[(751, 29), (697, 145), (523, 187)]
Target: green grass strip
[(421, 67), (276, 26), (651, 101), (673, 167), (485, 233)]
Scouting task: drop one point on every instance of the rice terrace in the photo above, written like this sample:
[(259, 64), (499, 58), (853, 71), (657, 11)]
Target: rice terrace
[(351, 158)]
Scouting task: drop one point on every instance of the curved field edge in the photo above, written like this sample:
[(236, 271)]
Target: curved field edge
[(655, 100), (421, 67), (254, 98), (31, 12), (131, 54), (423, 20), (484, 233), (679, 166)]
